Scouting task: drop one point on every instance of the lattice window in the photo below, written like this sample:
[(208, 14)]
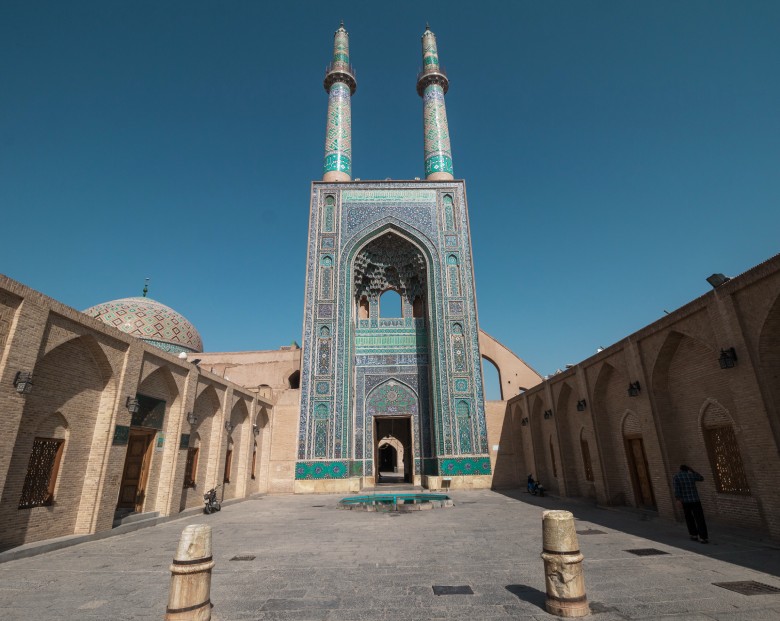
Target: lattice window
[(254, 461), (42, 473), (586, 459), (228, 465), (726, 460), (191, 468), (552, 457)]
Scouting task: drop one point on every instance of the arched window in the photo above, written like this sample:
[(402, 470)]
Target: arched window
[(418, 307), (390, 304), (364, 311), (586, 462), (295, 379), (723, 451), (453, 274)]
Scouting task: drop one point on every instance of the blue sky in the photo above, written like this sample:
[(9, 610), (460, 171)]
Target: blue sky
[(615, 153)]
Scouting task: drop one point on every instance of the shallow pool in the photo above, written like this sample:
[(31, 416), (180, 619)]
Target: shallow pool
[(396, 502)]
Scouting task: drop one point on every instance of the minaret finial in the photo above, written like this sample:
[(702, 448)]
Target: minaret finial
[(432, 85), (146, 287), (340, 84)]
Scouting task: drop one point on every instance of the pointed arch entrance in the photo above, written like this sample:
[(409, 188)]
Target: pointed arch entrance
[(394, 409)]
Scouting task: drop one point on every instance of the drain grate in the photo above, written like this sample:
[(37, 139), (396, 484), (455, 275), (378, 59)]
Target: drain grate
[(243, 557), (748, 587), (317, 506), (452, 590), (591, 531), (646, 552)]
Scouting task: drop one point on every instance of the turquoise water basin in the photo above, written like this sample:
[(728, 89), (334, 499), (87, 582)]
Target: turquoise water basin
[(396, 502)]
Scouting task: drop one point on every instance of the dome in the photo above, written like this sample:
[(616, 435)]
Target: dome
[(150, 321)]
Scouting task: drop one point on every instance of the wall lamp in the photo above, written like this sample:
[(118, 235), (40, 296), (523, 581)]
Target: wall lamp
[(633, 389), (132, 405), (23, 382), (727, 360), (191, 418), (228, 426), (524, 422), (548, 414), (581, 405), (716, 280), (256, 430)]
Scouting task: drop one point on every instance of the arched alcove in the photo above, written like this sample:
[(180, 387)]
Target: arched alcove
[(491, 380)]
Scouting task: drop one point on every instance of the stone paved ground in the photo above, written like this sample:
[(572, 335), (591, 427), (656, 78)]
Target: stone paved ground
[(314, 562)]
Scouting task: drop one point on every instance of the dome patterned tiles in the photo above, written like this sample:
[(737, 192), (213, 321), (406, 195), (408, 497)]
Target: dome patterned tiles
[(147, 319)]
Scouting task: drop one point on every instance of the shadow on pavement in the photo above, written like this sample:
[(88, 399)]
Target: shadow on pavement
[(528, 594), (726, 544)]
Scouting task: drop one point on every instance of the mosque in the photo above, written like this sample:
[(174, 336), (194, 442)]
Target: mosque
[(116, 413)]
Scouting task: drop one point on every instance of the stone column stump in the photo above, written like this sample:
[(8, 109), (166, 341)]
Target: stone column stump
[(564, 579), (190, 594)]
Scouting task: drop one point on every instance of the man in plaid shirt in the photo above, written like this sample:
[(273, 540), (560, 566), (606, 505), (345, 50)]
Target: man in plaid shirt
[(686, 494)]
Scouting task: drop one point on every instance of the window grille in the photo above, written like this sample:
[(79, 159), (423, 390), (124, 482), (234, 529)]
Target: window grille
[(42, 473), (191, 469), (586, 459), (726, 460), (228, 464), (552, 456)]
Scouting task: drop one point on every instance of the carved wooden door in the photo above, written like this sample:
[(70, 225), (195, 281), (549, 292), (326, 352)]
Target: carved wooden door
[(640, 473), (132, 491)]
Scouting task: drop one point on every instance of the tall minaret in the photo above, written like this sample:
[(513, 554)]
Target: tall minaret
[(432, 84), (340, 84)]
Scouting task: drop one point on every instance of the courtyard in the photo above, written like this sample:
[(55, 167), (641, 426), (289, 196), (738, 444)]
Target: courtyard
[(311, 561)]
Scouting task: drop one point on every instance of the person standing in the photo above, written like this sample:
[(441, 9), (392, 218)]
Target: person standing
[(688, 496)]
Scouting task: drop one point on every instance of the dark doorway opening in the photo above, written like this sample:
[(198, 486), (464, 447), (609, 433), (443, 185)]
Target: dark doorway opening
[(393, 450)]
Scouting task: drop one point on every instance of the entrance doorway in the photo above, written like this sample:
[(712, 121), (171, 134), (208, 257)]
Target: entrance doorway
[(640, 473), (393, 449), (132, 491)]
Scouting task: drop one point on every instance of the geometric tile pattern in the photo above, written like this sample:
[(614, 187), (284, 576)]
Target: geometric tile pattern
[(434, 357), (150, 321)]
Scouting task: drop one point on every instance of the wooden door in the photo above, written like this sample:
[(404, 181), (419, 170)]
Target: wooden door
[(640, 473), (132, 491)]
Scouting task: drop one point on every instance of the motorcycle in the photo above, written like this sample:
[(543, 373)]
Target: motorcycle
[(534, 487), (211, 502)]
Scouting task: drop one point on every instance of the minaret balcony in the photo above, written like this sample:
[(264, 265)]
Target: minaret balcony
[(340, 72), (434, 74)]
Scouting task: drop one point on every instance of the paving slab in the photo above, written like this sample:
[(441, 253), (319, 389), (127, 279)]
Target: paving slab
[(316, 563)]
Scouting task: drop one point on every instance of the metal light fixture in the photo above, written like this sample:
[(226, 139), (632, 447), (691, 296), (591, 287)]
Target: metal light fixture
[(228, 426), (132, 405), (524, 422), (256, 430), (727, 360), (716, 280), (23, 382), (191, 418), (548, 414), (581, 405), (633, 389)]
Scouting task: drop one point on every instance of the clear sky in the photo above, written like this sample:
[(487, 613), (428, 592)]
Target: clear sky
[(615, 153)]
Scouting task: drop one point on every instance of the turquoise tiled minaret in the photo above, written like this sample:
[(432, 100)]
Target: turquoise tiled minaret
[(340, 84), (432, 84)]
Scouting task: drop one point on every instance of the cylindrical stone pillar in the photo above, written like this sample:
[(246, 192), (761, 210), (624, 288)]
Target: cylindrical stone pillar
[(190, 595), (563, 575), (432, 85), (341, 85)]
